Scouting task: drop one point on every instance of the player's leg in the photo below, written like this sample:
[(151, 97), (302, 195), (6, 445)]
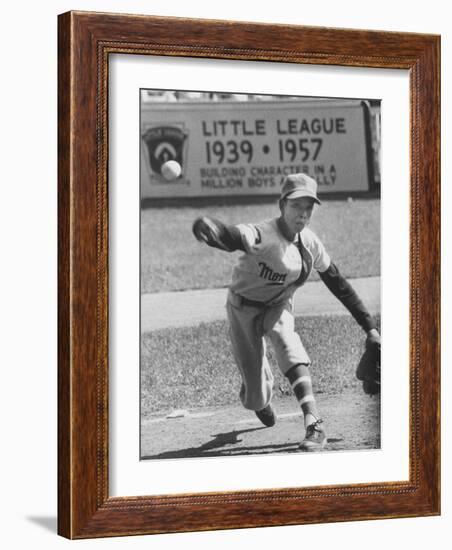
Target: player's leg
[(299, 378), (293, 359), (294, 363), (248, 346)]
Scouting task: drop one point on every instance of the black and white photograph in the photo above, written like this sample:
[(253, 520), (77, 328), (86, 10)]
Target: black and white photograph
[(259, 274)]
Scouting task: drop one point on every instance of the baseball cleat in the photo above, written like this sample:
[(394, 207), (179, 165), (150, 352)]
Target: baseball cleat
[(267, 416), (315, 438)]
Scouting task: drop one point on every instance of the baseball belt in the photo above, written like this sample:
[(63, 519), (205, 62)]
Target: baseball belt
[(252, 303)]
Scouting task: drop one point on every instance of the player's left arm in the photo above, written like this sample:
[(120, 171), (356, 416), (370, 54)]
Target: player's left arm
[(344, 292), (368, 370)]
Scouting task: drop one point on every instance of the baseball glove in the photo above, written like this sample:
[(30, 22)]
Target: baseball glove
[(211, 232), (369, 367)]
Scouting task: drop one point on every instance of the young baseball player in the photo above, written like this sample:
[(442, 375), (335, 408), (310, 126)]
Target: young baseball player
[(279, 255)]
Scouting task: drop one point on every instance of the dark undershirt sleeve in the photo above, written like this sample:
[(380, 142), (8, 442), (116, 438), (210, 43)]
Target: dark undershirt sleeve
[(343, 290), (230, 236)]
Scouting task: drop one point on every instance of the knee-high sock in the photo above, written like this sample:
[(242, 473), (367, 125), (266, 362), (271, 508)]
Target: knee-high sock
[(300, 379)]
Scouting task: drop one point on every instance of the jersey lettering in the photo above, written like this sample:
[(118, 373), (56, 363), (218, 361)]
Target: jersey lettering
[(273, 276)]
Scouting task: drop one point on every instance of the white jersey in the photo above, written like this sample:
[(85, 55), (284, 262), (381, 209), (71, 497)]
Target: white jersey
[(273, 267)]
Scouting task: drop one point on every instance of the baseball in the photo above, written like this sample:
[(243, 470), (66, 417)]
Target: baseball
[(171, 170)]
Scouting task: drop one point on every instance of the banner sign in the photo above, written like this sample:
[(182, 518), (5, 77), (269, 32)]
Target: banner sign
[(247, 148)]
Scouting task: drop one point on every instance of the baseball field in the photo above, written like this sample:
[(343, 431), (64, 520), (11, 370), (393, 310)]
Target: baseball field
[(189, 382)]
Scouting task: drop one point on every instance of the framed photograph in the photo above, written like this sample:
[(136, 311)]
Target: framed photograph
[(229, 155), (246, 212)]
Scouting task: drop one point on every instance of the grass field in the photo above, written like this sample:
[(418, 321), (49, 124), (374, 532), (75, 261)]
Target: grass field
[(171, 259), (193, 367)]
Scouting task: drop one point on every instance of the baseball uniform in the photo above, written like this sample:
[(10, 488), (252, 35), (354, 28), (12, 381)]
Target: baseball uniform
[(260, 302)]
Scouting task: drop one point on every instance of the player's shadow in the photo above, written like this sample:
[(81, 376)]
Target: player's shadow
[(216, 447)]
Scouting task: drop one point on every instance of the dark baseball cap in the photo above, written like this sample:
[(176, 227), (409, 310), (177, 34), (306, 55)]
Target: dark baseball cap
[(299, 185)]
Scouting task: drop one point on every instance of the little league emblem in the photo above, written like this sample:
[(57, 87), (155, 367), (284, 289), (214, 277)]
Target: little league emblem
[(164, 143)]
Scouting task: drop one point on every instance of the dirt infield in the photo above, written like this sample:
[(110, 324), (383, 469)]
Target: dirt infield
[(352, 422)]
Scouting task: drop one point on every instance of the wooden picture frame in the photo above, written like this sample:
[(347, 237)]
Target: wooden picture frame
[(86, 40)]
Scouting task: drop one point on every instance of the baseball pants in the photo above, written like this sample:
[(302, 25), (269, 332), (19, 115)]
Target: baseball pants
[(247, 327)]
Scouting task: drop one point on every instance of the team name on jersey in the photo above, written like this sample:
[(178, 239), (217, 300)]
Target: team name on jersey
[(273, 276)]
